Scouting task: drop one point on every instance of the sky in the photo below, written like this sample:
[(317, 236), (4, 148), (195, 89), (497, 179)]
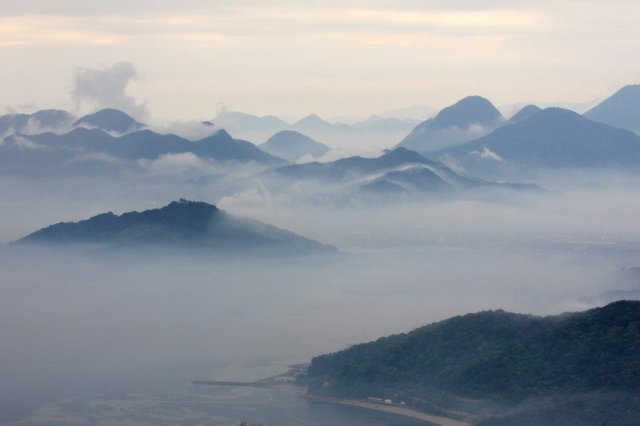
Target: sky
[(189, 59)]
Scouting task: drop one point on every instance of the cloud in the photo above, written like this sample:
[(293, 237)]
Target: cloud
[(192, 130), (106, 88), (26, 143), (174, 163), (256, 197), (486, 154)]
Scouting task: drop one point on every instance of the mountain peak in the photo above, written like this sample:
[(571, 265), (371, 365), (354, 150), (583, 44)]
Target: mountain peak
[(467, 111), (467, 119), (525, 113), (292, 145), (110, 120)]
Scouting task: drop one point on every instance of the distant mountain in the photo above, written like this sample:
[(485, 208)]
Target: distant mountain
[(352, 167), (465, 120), (109, 120), (384, 124), (313, 125), (397, 175), (38, 122), (622, 109), (180, 224), (292, 145), (526, 112), (53, 154), (496, 356), (248, 126), (416, 112), (552, 139)]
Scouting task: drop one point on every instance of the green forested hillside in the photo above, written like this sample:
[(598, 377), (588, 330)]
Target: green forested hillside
[(494, 355)]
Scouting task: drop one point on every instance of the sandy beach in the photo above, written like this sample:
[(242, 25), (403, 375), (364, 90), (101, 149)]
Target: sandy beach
[(392, 409)]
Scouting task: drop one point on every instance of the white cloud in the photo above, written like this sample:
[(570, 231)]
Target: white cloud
[(106, 88), (175, 163), (26, 143), (485, 154)]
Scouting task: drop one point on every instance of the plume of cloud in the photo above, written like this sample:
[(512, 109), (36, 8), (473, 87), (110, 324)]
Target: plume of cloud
[(106, 88)]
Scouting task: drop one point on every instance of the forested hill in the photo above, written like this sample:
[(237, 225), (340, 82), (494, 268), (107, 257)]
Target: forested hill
[(494, 355), (181, 224)]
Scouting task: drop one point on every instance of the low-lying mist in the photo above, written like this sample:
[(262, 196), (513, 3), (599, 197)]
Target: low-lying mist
[(81, 324)]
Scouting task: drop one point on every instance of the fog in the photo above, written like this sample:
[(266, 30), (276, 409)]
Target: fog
[(88, 324)]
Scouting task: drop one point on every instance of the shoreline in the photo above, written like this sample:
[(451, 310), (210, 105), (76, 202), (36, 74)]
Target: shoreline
[(276, 382), (389, 409), (392, 409)]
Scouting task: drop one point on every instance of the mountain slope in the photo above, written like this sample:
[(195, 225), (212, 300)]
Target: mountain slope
[(39, 121), (400, 173), (467, 119), (180, 224), (496, 355), (352, 166), (552, 138), (622, 109), (291, 146), (20, 151)]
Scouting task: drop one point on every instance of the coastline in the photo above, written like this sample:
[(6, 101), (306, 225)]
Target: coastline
[(277, 382), (390, 409)]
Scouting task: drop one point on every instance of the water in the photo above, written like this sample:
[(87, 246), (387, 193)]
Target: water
[(205, 405)]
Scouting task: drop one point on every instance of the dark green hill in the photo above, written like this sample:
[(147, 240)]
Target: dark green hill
[(495, 355), (181, 224)]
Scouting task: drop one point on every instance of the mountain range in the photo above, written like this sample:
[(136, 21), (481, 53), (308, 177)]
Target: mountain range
[(470, 137), (397, 175), (383, 131), (187, 225), (552, 138), (60, 121), (94, 151)]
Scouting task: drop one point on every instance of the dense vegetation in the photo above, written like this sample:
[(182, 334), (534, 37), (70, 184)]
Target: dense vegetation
[(494, 355)]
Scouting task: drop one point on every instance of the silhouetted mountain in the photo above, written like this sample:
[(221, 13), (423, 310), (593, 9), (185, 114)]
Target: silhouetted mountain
[(291, 146), (493, 355), (50, 153), (384, 124), (524, 114), (43, 120), (467, 119), (622, 109), (181, 224), (414, 179), (416, 112), (552, 138), (351, 167), (401, 174), (109, 120), (312, 124)]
